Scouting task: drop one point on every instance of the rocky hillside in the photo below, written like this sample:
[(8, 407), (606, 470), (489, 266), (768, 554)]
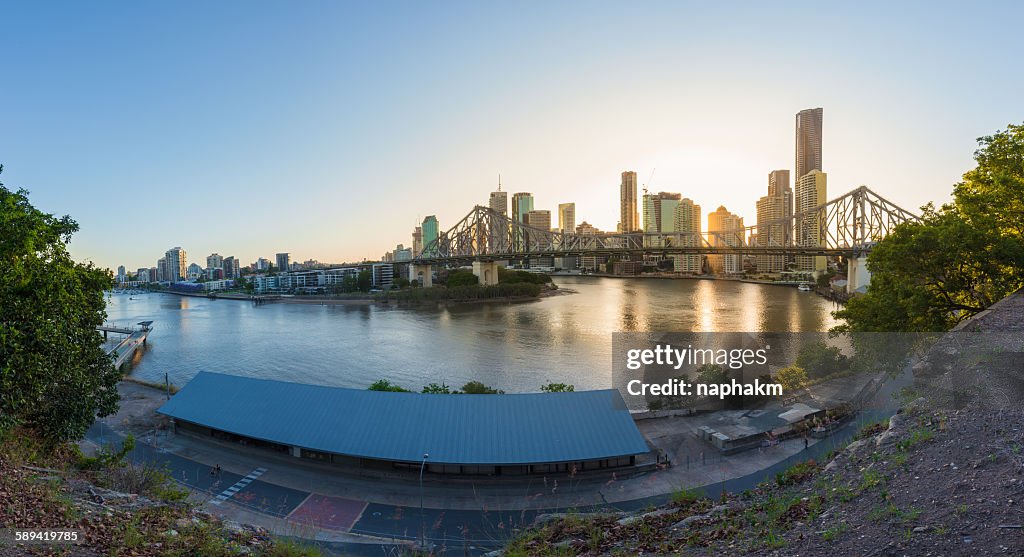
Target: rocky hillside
[(122, 509), (945, 476)]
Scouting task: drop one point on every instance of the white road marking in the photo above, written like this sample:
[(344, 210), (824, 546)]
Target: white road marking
[(238, 486)]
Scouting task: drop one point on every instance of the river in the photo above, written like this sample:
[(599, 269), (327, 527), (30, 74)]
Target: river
[(516, 347)]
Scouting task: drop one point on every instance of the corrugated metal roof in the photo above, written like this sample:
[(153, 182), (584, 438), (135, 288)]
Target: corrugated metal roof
[(453, 429)]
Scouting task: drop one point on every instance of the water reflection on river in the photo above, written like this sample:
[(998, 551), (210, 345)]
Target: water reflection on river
[(516, 347)]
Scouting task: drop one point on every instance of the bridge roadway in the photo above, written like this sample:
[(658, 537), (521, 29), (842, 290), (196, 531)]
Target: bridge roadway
[(853, 251)]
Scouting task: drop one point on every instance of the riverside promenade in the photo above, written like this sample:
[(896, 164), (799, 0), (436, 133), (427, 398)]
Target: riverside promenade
[(312, 501)]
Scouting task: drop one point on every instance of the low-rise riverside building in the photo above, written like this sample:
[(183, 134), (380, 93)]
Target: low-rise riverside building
[(493, 435)]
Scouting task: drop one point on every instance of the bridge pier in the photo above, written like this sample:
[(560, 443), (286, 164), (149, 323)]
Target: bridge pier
[(486, 271), (421, 274), (857, 273)]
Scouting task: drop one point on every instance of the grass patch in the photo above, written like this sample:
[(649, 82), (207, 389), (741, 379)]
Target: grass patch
[(835, 531), (796, 473), (685, 497)]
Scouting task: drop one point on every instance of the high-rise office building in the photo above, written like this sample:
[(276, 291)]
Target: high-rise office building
[(628, 216), (725, 229), (567, 217), (431, 231), (499, 202), (540, 219), (177, 264), (417, 241), (283, 262), (811, 193), (687, 219), (770, 232), (808, 141), (659, 216), (774, 227), (522, 203), (122, 275), (161, 270)]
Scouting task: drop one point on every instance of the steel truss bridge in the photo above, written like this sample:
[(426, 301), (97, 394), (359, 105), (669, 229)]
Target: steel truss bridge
[(845, 226)]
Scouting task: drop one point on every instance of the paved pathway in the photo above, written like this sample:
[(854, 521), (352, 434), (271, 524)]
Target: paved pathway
[(455, 529)]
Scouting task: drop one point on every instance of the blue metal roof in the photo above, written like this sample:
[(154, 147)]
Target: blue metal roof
[(454, 429)]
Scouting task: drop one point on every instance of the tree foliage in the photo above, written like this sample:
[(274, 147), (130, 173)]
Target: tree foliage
[(387, 386), (710, 374), (792, 378), (820, 360), (478, 388), (957, 260), (54, 375), (513, 276), (461, 277), (438, 389), (557, 388)]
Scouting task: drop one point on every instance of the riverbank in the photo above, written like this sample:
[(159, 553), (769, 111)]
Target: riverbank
[(673, 276), (286, 299)]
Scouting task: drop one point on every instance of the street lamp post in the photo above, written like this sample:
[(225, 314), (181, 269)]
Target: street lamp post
[(422, 465)]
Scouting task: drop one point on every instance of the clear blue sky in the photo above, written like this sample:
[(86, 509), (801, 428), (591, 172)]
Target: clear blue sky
[(327, 129)]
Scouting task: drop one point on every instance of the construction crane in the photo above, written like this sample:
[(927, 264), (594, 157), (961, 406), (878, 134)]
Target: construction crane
[(649, 178)]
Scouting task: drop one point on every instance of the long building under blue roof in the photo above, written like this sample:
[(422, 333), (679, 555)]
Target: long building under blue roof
[(522, 433)]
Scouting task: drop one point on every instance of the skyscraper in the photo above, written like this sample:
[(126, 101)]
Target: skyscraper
[(659, 216), (177, 264), (770, 232), (283, 262), (687, 219), (417, 241), (161, 270), (628, 217), (811, 192), (808, 141), (522, 203), (567, 217), (540, 219), (773, 230), (725, 229), (499, 201), (214, 261), (431, 231)]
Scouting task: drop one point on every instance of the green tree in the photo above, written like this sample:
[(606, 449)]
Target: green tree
[(710, 373), (461, 277), (388, 386), (820, 359), (792, 378), (957, 260), (557, 388), (478, 388), (436, 389), (54, 374), (364, 281)]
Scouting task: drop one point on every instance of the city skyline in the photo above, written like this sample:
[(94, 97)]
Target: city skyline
[(269, 148)]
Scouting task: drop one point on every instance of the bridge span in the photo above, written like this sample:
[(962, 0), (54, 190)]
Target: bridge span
[(847, 226)]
